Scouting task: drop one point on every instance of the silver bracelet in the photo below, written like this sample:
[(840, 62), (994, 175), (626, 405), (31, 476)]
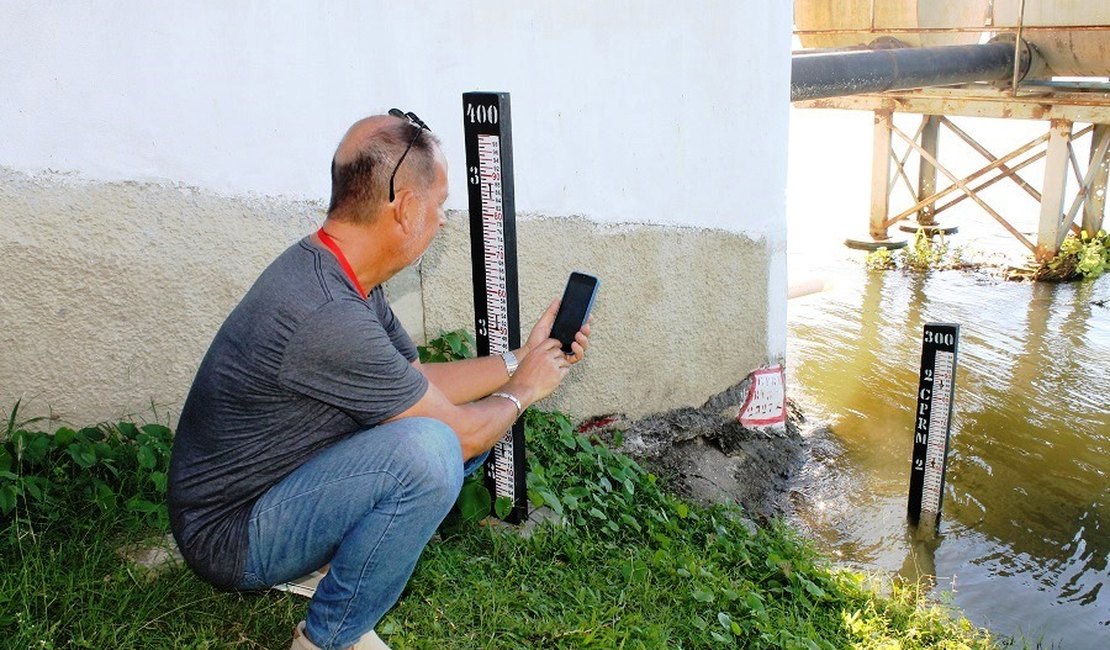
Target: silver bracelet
[(512, 398)]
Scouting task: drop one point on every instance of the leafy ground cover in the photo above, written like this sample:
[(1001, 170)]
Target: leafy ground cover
[(626, 565)]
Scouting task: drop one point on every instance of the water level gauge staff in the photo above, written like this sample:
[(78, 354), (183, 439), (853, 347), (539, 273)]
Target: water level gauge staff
[(932, 422)]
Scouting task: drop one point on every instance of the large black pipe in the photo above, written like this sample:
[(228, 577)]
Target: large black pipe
[(835, 74)]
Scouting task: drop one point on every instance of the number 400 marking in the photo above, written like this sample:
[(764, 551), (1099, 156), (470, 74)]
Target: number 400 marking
[(481, 114)]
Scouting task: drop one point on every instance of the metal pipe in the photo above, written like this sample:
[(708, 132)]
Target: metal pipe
[(952, 30), (836, 74)]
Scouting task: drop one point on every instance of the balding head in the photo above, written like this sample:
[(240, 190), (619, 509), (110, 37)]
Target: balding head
[(365, 158)]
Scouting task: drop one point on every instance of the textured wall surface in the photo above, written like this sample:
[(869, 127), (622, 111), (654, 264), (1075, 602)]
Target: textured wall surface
[(111, 292), (681, 312)]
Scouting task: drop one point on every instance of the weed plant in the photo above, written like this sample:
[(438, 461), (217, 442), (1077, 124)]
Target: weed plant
[(623, 564), (629, 566), (55, 477), (448, 346)]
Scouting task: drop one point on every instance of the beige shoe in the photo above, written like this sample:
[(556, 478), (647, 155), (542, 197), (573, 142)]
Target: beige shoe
[(300, 639), (369, 641)]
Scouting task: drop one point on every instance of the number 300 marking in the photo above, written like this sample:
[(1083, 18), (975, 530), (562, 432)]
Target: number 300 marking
[(940, 338)]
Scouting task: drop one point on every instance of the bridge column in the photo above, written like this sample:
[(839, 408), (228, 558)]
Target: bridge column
[(880, 175), (1051, 232), (1094, 207), (927, 173)]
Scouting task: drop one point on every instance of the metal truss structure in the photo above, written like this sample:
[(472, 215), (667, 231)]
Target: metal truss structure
[(1065, 114)]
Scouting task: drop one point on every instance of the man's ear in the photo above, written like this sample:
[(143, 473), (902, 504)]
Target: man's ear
[(404, 209)]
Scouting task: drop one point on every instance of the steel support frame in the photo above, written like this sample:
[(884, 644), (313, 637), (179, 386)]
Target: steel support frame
[(1054, 222), (962, 185), (1055, 106), (880, 175), (1092, 108), (1052, 229), (996, 163), (900, 165), (882, 181)]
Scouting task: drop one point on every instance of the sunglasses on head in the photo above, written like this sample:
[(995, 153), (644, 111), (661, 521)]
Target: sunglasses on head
[(420, 126)]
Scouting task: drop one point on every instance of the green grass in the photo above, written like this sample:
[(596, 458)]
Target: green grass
[(630, 567), (72, 590)]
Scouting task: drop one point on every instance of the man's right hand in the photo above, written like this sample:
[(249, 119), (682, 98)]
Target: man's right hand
[(540, 373)]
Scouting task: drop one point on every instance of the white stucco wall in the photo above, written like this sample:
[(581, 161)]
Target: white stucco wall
[(646, 112), (252, 96)]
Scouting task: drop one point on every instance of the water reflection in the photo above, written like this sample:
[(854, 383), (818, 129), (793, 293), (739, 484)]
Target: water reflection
[(1026, 500)]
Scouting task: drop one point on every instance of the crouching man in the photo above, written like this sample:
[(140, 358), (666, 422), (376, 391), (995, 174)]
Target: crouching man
[(312, 435)]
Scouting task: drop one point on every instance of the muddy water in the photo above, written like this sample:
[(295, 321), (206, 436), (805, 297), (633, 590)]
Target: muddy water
[(1024, 543)]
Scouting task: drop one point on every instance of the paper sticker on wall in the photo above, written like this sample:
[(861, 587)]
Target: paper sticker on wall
[(765, 405)]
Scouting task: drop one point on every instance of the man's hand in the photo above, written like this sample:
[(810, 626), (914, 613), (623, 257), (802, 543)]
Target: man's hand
[(580, 343), (480, 424), (542, 332), (540, 373)]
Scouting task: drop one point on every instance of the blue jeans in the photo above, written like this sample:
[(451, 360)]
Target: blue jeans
[(368, 505)]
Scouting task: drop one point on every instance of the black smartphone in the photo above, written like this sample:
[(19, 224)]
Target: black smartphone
[(578, 300)]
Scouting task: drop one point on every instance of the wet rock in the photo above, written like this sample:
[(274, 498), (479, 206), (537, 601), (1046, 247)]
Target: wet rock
[(705, 455)]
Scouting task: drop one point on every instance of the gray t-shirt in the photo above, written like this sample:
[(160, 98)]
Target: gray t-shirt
[(302, 362)]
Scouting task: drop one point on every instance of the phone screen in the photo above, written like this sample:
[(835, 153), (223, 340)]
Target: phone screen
[(574, 309)]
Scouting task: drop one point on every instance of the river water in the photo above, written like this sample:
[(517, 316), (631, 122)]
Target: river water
[(1024, 544)]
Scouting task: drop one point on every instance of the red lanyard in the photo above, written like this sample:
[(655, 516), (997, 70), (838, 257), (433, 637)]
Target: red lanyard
[(326, 239)]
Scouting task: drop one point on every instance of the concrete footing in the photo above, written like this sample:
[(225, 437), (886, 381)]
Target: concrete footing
[(929, 229), (875, 244)]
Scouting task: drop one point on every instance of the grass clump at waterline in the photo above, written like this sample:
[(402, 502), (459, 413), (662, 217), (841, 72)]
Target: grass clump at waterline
[(1081, 257), (629, 566), (925, 253)]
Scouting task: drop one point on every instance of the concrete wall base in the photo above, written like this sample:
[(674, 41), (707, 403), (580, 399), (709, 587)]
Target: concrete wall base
[(111, 293)]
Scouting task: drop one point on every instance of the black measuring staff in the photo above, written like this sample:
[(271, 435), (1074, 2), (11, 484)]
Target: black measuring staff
[(936, 390), (489, 180)]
